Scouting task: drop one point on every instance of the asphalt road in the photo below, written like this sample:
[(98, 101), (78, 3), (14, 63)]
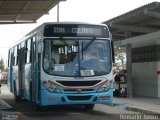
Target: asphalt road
[(23, 111)]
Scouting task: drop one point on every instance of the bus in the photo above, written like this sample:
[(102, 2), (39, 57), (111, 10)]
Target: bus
[(51, 65)]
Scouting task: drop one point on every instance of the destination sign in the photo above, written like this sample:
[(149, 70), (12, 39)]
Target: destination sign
[(70, 30)]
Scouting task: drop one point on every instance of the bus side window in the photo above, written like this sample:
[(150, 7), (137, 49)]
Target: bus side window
[(33, 46), (28, 52), (17, 61), (31, 49), (12, 58), (9, 58), (15, 55)]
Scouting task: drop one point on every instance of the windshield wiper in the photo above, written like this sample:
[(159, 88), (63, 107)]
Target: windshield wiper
[(90, 42), (85, 48)]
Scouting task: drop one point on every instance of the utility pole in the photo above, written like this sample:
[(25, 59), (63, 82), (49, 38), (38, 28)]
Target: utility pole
[(129, 71), (58, 12)]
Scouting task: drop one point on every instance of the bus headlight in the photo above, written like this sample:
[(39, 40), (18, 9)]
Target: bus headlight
[(50, 87), (105, 87)]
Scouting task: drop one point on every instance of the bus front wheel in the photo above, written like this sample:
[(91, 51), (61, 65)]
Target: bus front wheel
[(89, 107)]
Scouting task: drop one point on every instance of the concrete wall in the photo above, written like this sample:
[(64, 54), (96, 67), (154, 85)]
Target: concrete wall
[(145, 79)]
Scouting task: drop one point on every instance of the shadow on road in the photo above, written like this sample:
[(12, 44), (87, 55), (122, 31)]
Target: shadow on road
[(26, 108)]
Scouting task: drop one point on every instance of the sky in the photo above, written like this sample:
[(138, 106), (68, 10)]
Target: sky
[(91, 11)]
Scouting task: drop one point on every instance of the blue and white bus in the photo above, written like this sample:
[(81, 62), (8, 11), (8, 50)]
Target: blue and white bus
[(75, 77)]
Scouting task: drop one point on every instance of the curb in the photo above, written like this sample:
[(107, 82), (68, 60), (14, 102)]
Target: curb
[(141, 110), (5, 106)]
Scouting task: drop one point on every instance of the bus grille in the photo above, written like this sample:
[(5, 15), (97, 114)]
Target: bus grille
[(74, 90), (76, 98), (79, 83)]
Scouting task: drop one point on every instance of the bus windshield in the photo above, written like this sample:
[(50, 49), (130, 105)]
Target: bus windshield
[(77, 57)]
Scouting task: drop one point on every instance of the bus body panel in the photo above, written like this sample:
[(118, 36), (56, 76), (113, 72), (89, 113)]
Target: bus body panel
[(48, 98), (37, 83), (62, 99), (27, 81), (15, 76), (9, 79)]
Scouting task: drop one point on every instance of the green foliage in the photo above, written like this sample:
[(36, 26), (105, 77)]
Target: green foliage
[(1, 64), (120, 56)]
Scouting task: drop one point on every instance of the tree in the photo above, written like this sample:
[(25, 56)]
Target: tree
[(1, 64), (121, 59), (120, 56)]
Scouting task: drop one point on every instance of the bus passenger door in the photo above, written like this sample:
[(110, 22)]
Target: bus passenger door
[(11, 72), (32, 84), (22, 58)]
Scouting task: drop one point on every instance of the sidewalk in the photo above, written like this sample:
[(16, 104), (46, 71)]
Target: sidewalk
[(146, 105), (3, 105)]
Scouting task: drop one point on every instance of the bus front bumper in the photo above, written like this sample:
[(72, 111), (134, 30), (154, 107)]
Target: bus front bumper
[(48, 98)]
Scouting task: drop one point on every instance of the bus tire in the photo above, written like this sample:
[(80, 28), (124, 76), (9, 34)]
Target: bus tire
[(89, 107), (36, 107)]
